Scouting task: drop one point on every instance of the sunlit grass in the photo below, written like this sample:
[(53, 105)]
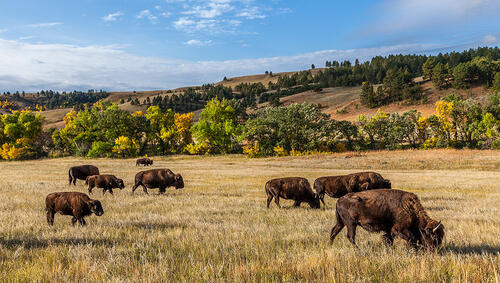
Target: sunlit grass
[(218, 228)]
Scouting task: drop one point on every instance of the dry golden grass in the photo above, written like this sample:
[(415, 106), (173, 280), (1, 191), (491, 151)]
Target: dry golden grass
[(218, 229)]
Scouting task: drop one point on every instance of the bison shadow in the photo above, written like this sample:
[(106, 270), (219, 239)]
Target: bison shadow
[(30, 243), (472, 249), (152, 226)]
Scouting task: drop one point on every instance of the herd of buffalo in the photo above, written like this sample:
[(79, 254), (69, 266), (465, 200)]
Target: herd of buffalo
[(365, 199)]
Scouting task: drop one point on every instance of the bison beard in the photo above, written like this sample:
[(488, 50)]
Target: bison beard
[(395, 212)]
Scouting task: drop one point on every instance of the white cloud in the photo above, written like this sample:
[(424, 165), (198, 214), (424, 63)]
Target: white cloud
[(112, 17), (489, 39), (252, 13), (3, 30), (26, 37), (197, 42), (43, 25), (146, 14), (31, 67)]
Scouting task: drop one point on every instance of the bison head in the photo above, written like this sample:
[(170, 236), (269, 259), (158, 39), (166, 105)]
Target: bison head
[(387, 184), (432, 234), (178, 181), (314, 203), (120, 184), (96, 207)]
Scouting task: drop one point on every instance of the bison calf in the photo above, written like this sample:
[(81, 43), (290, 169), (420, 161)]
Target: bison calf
[(144, 161), (81, 172), (75, 204), (395, 212), (157, 178), (106, 182), (294, 188)]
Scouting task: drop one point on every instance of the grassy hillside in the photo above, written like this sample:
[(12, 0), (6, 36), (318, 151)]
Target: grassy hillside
[(218, 227)]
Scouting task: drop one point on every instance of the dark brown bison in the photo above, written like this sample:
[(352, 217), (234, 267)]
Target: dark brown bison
[(338, 186), (75, 204), (395, 212), (81, 172), (295, 188), (374, 180), (158, 178), (106, 182), (144, 161)]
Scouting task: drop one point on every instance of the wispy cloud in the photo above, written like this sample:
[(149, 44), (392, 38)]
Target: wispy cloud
[(197, 42), (489, 39), (30, 67), (3, 30), (112, 17), (26, 37), (146, 14), (43, 25)]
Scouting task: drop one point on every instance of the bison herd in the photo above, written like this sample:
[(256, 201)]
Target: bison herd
[(365, 199)]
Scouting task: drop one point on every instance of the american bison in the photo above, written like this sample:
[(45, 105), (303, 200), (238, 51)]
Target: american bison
[(144, 161), (395, 212), (158, 178), (106, 182), (81, 172), (75, 204), (338, 186), (374, 180), (295, 188)]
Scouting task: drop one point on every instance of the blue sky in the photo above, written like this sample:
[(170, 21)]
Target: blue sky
[(160, 44)]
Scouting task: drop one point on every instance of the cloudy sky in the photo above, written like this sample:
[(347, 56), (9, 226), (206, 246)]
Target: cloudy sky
[(161, 44)]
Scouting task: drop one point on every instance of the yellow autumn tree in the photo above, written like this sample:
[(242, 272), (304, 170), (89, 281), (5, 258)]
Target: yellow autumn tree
[(125, 146), (182, 127), (443, 110)]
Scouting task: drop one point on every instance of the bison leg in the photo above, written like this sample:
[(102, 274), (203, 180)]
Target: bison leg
[(73, 221), (406, 235), (322, 198), (277, 201), (50, 217), (335, 230), (110, 190), (90, 188), (269, 199), (82, 221), (297, 203), (388, 239), (351, 233), (162, 190)]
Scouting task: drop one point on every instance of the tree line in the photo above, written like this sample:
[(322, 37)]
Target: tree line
[(104, 130)]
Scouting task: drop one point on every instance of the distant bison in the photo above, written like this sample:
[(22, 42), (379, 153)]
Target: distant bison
[(106, 182), (144, 161), (374, 180), (295, 188), (158, 178), (338, 186), (81, 172), (395, 212), (75, 204)]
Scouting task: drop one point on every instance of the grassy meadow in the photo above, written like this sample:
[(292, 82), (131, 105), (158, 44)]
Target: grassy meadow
[(218, 227)]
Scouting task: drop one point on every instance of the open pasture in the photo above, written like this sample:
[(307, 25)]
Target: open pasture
[(218, 228)]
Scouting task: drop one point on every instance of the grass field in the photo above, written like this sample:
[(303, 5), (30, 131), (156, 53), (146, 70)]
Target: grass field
[(218, 228)]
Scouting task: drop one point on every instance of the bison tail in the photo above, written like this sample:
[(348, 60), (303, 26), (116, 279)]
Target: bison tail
[(70, 176), (87, 181)]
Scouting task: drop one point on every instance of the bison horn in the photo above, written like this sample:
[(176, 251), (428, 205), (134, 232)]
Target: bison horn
[(435, 229)]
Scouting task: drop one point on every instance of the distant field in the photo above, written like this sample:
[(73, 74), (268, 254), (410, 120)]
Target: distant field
[(218, 228)]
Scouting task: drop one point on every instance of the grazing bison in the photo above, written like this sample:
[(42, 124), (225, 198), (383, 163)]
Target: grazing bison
[(144, 161), (294, 188), (374, 180), (75, 204), (395, 212), (106, 182), (338, 186), (81, 172), (158, 178)]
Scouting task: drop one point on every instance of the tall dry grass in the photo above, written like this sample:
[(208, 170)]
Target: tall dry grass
[(218, 228)]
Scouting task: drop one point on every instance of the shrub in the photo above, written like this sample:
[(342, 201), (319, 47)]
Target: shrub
[(279, 151)]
